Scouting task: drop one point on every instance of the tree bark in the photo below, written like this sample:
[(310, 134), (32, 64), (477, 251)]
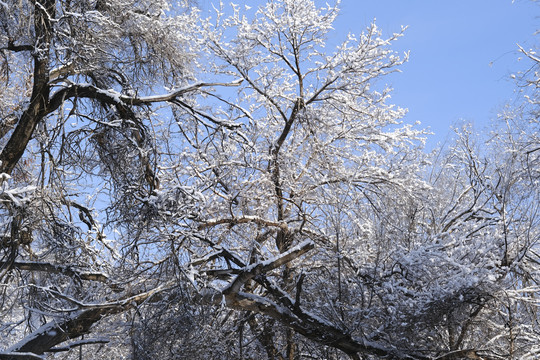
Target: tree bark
[(36, 111)]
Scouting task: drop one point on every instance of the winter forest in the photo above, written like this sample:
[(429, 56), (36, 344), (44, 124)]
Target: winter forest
[(178, 186)]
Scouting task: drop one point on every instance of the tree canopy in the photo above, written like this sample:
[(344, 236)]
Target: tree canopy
[(175, 186)]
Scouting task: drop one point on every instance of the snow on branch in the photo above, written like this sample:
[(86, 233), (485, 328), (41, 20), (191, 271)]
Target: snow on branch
[(113, 97), (249, 272), (20, 356), (243, 220), (320, 330), (58, 269), (529, 54), (306, 324), (122, 101), (175, 94), (80, 343)]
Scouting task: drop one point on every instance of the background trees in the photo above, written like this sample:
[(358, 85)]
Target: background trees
[(230, 187)]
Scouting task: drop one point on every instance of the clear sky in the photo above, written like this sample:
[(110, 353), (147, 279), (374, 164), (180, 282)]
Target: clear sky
[(462, 53)]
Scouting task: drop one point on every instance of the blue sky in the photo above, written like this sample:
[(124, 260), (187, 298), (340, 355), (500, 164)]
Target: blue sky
[(462, 54)]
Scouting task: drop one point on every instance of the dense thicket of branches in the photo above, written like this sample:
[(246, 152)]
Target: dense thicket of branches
[(178, 187)]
